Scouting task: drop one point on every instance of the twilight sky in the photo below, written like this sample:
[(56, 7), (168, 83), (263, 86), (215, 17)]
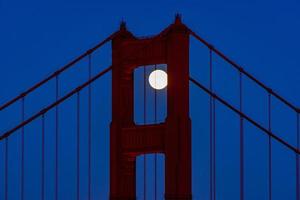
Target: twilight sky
[(38, 37)]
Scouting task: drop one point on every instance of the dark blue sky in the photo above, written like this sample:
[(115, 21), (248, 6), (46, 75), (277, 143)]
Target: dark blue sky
[(37, 37)]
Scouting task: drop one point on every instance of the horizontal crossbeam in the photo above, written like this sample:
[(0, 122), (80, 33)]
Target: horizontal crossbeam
[(144, 139)]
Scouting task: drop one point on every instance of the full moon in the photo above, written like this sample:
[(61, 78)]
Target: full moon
[(158, 79)]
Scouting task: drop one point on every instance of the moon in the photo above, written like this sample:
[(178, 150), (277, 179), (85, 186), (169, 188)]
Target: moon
[(158, 79)]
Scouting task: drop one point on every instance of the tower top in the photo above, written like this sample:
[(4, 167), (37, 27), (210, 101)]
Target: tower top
[(123, 26), (178, 18)]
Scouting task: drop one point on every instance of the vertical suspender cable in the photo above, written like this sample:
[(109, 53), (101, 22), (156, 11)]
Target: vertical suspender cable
[(241, 139), (6, 170), (212, 130), (43, 160), (145, 120), (155, 155), (78, 148), (56, 139), (23, 147), (270, 146), (211, 125), (214, 140), (89, 128), (297, 160), (214, 148)]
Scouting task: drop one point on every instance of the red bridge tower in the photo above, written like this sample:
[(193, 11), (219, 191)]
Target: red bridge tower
[(173, 137)]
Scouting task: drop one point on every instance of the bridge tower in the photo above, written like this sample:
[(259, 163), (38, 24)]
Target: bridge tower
[(172, 137)]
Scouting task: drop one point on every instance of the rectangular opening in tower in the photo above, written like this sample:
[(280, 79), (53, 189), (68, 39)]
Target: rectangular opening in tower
[(150, 176), (150, 94)]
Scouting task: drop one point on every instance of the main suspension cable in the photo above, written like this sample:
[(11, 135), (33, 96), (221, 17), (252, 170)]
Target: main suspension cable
[(57, 72), (74, 91), (247, 74), (249, 119)]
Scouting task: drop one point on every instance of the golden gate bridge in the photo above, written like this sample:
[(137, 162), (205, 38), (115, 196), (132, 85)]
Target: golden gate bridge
[(169, 51)]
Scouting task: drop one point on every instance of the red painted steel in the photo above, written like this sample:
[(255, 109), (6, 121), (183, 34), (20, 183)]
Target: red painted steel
[(172, 137)]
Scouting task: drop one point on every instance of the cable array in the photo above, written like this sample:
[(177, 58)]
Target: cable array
[(214, 98)]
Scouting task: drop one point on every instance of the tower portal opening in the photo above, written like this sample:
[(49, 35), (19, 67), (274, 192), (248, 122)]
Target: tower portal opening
[(150, 176), (150, 94)]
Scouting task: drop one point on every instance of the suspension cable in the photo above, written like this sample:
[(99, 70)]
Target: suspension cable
[(214, 148), (54, 105), (249, 119), (145, 121), (241, 138), (6, 170), (89, 127), (43, 160), (78, 147), (22, 147), (56, 138), (270, 146), (247, 74), (74, 91), (297, 159), (211, 129), (56, 73)]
